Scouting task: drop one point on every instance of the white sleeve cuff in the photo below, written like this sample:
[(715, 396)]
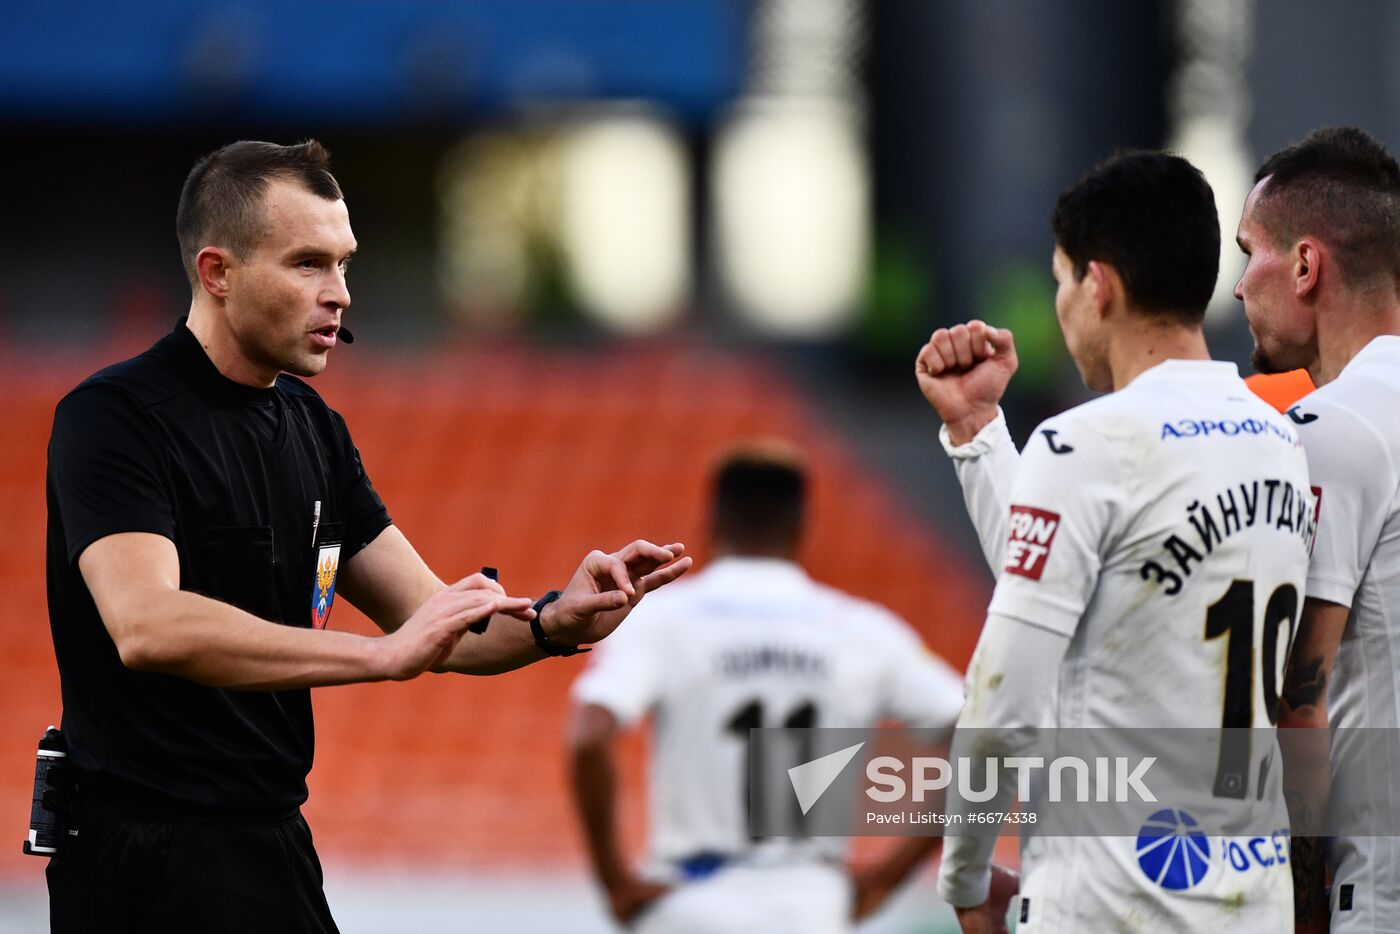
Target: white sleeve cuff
[(993, 435), (963, 888), (1330, 589)]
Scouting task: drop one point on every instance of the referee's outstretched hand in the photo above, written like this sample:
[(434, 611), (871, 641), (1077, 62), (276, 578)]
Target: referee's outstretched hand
[(606, 587), (428, 637), (963, 372)]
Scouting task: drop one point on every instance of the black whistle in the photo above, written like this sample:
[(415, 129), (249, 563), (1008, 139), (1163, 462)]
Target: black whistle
[(480, 626)]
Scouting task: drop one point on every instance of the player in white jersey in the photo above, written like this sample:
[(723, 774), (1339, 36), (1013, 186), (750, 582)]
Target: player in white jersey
[(750, 642), (1322, 292), (1152, 547)]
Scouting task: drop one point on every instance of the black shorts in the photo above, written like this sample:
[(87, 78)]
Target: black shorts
[(123, 874)]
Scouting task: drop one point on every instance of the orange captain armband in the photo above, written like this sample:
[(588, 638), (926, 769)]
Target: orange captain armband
[(1281, 390)]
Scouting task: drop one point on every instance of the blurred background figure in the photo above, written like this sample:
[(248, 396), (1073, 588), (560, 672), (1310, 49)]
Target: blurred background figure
[(753, 642), (760, 208)]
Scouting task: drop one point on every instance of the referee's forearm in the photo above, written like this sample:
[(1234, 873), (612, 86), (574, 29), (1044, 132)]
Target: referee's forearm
[(214, 643), (505, 646)]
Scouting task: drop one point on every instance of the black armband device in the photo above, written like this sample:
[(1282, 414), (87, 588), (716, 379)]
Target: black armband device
[(547, 645)]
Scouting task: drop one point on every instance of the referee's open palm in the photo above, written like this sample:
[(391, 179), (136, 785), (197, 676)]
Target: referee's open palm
[(606, 587)]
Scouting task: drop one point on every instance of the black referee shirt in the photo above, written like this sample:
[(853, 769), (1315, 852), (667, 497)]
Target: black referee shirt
[(164, 443)]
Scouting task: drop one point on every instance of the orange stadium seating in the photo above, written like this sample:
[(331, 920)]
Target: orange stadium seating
[(519, 458)]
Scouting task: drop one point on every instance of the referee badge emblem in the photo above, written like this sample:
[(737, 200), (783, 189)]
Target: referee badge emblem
[(323, 589)]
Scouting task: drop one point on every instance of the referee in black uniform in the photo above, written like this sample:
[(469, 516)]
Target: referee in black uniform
[(205, 509)]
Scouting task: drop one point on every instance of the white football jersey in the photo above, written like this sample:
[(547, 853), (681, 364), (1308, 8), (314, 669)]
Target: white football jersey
[(749, 643), (1164, 529), (1352, 437)]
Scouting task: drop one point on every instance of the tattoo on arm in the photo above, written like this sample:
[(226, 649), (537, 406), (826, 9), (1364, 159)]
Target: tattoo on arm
[(1300, 816), (1308, 855), (1306, 684)]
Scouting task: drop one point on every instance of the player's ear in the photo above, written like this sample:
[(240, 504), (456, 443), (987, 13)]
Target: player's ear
[(1308, 257), (1106, 285), (212, 265)]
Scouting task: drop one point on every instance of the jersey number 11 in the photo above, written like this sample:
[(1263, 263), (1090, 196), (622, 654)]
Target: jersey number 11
[(756, 804)]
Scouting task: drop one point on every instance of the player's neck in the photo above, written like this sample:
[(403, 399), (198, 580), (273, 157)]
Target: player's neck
[(211, 329), (1142, 342), (1344, 331), (773, 553)]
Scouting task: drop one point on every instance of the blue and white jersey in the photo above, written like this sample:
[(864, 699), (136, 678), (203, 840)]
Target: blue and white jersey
[(1163, 529), (1350, 431), (750, 643)]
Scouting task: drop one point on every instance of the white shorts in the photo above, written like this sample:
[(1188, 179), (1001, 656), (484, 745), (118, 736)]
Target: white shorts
[(1365, 885), (812, 898)]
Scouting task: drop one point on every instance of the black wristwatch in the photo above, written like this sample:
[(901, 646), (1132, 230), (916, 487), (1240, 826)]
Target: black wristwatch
[(547, 645)]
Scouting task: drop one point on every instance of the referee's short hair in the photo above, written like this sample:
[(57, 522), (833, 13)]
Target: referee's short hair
[(1338, 184), (1151, 216), (760, 492), (221, 202)]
